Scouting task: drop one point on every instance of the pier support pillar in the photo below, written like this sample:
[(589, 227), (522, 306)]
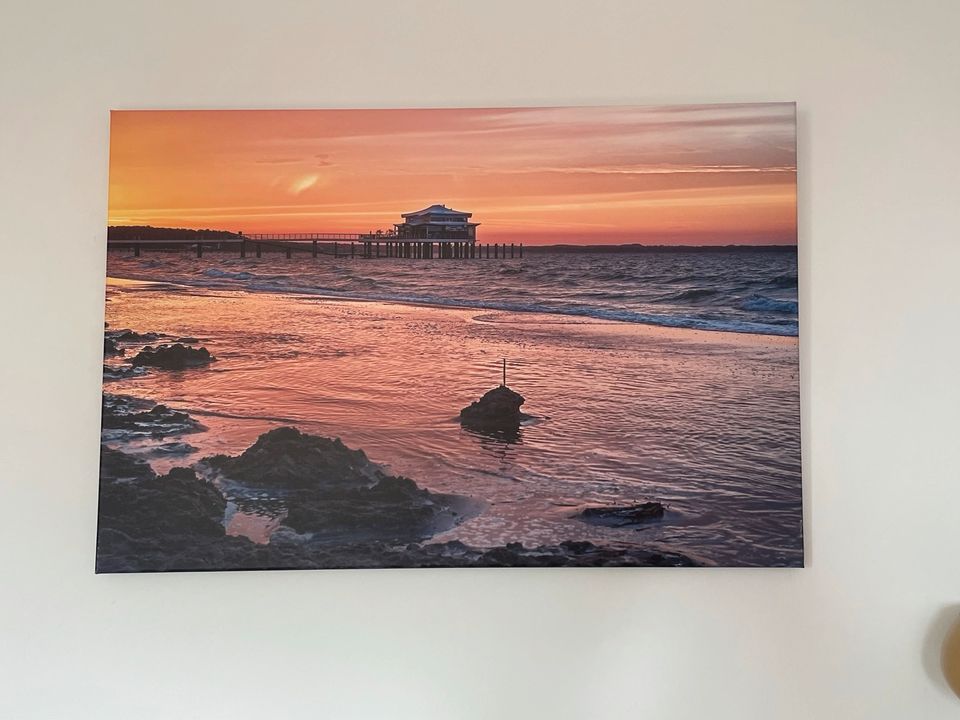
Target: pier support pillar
[(314, 248), (243, 248), (353, 250), (378, 249), (258, 249), (511, 251), (199, 250), (288, 252), (136, 251), (521, 251)]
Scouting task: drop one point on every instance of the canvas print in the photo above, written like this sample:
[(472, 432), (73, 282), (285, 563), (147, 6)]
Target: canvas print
[(405, 338)]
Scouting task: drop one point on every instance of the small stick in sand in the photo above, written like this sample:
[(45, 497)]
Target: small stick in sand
[(504, 383)]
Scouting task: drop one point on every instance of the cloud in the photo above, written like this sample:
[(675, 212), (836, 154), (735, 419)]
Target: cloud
[(303, 183)]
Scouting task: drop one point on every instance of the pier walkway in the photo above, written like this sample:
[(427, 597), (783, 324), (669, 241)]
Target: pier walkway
[(354, 245)]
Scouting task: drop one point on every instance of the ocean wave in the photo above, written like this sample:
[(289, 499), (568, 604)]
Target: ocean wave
[(760, 303), (691, 294), (218, 273), (712, 292), (784, 281), (786, 327)]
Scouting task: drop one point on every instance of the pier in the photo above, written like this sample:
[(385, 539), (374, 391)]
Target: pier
[(436, 232), (338, 245)]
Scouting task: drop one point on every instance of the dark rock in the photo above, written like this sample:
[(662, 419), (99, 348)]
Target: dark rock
[(498, 409), (174, 522), (119, 372), (127, 335), (621, 516), (141, 513), (136, 417), (287, 458), (116, 465), (110, 347), (336, 493), (566, 554), (173, 357)]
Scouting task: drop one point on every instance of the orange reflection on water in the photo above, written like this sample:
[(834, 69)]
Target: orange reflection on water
[(705, 422)]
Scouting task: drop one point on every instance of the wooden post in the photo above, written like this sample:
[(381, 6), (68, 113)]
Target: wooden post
[(504, 383), (378, 249), (199, 250), (496, 250), (521, 251), (488, 251), (314, 248), (353, 250), (288, 252), (511, 251), (243, 248), (258, 249), (136, 251)]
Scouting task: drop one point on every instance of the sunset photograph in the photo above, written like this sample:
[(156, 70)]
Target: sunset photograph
[(477, 337)]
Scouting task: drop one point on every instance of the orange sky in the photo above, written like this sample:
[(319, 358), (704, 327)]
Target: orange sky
[(699, 174)]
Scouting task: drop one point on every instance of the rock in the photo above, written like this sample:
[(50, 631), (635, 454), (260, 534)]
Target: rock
[(119, 372), (173, 357), (622, 516), (127, 335), (288, 459), (174, 522), (116, 465), (335, 493), (132, 417), (142, 514), (569, 553), (110, 347), (498, 409)]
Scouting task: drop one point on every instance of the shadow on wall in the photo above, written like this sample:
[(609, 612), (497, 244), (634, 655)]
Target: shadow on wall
[(933, 643)]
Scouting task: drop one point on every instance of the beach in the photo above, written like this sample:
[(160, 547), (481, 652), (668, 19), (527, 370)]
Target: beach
[(620, 412)]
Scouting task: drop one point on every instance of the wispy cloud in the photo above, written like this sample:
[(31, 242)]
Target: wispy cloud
[(303, 183)]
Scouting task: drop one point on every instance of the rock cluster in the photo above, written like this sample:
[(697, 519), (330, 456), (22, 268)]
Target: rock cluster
[(623, 515), (174, 522), (127, 335), (334, 492), (110, 347), (130, 417), (173, 357), (498, 409), (150, 520)]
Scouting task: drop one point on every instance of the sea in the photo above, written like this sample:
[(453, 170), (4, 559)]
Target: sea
[(723, 289), (666, 376)]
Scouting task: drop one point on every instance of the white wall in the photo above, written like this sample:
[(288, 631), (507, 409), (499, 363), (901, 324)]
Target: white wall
[(854, 635)]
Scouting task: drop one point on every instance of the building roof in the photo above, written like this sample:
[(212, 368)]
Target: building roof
[(436, 210)]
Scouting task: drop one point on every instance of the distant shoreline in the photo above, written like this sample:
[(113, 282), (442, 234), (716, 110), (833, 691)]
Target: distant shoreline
[(640, 248)]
